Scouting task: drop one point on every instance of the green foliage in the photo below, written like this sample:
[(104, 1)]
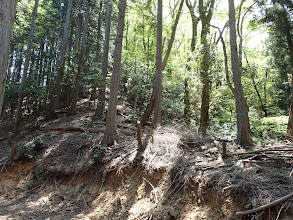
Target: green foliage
[(87, 136), (268, 130), (29, 151), (38, 143), (99, 154), (25, 152), (225, 131), (11, 94)]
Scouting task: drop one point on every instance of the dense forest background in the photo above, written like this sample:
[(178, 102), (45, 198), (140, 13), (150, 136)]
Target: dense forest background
[(63, 51)]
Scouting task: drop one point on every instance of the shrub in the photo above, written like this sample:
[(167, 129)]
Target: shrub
[(270, 129), (99, 154)]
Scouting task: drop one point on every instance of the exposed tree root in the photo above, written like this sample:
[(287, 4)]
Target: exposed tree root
[(261, 208)]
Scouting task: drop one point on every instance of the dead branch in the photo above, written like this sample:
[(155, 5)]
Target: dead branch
[(278, 157), (232, 187), (71, 129), (261, 208), (139, 133), (156, 197), (224, 149), (3, 138), (9, 138), (261, 151)]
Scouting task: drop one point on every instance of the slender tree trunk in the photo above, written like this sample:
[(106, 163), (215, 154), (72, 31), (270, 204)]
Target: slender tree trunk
[(152, 104), (174, 27), (243, 129), (186, 102), (158, 86), (110, 135), (99, 34), (72, 109), (98, 52), (260, 99), (289, 42), (102, 89), (26, 65), (7, 12), (57, 90), (194, 21)]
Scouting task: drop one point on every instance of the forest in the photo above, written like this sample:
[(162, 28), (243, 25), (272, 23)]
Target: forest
[(123, 71), (64, 51)]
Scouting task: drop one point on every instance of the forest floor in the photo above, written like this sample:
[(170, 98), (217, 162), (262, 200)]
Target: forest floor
[(61, 172)]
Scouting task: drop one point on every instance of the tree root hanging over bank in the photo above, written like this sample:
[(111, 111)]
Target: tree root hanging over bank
[(261, 208)]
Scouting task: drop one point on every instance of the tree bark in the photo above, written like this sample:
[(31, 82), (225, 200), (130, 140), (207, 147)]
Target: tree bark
[(7, 15), (26, 65), (102, 90), (158, 86), (55, 101), (110, 135), (243, 129)]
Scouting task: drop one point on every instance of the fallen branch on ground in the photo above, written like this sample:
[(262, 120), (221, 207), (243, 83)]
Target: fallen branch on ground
[(71, 129), (232, 187), (261, 208), (261, 151), (156, 197), (3, 138)]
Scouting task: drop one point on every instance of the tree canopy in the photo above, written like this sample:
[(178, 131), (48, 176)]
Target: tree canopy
[(186, 59)]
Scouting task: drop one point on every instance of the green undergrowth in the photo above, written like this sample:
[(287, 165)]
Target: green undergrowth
[(269, 129)]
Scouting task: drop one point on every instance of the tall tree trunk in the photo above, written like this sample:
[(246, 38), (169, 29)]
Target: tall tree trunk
[(57, 90), (158, 86), (7, 12), (285, 24), (99, 34), (152, 104), (194, 21), (26, 65), (102, 89), (186, 101), (110, 135), (205, 13), (243, 128), (72, 109)]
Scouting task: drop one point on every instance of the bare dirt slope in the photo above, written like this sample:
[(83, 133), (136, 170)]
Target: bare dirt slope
[(63, 173)]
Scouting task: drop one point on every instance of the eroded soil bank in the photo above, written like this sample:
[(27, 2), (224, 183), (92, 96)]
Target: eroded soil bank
[(62, 172), (130, 194)]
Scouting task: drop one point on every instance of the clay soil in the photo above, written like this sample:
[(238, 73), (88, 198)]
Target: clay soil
[(174, 175)]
